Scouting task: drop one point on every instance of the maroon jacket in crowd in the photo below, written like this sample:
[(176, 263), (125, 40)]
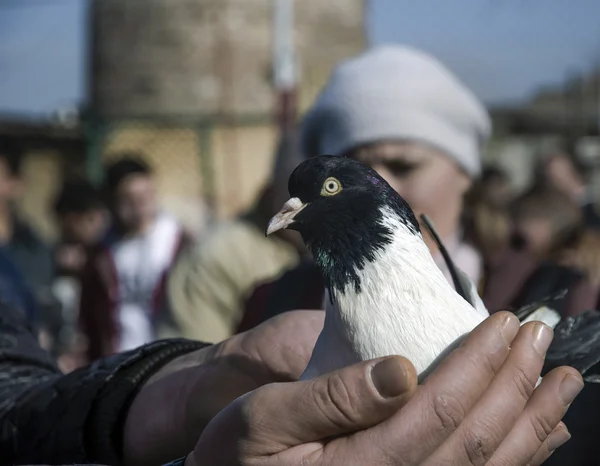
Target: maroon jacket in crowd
[(100, 296)]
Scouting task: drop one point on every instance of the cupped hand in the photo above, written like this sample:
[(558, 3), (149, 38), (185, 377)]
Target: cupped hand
[(480, 406), (169, 414)]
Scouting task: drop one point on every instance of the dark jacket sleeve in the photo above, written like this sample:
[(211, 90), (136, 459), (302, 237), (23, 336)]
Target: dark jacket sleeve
[(50, 418)]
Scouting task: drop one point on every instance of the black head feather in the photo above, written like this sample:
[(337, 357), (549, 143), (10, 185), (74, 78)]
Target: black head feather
[(344, 231)]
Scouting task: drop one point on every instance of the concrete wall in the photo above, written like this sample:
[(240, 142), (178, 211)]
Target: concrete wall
[(42, 177), (205, 57)]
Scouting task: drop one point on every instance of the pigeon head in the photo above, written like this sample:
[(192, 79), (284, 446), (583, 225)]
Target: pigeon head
[(339, 206)]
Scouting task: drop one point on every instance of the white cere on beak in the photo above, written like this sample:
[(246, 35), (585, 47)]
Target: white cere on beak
[(285, 216)]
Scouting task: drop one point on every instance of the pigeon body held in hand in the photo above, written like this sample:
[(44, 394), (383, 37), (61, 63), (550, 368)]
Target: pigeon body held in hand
[(385, 294)]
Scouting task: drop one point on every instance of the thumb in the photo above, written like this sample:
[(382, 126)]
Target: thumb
[(278, 416), (345, 401)]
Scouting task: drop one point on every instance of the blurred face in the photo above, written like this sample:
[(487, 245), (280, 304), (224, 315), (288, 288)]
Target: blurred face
[(135, 202), (10, 185), (427, 179), (536, 233), (562, 175), (85, 228), (499, 192)]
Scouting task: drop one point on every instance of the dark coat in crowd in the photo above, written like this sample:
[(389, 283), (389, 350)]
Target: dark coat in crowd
[(32, 256), (14, 288), (50, 418), (515, 278)]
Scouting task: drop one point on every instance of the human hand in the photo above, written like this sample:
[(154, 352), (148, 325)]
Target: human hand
[(169, 414), (478, 407)]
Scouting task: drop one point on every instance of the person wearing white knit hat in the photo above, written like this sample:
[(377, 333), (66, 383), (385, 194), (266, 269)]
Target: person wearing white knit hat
[(405, 114)]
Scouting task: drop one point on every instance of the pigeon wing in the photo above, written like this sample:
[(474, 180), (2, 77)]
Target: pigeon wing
[(577, 344)]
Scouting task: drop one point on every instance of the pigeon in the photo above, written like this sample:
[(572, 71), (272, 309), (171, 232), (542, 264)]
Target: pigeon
[(385, 295)]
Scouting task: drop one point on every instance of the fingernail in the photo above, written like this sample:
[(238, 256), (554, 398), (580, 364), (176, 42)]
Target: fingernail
[(569, 389), (510, 328), (389, 378), (558, 438), (542, 337)]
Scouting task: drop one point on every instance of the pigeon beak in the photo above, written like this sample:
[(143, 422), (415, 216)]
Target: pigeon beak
[(285, 217)]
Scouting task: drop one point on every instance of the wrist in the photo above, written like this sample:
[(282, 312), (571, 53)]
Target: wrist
[(157, 425), (185, 361), (106, 419)]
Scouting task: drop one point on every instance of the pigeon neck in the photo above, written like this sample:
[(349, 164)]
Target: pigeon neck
[(354, 242)]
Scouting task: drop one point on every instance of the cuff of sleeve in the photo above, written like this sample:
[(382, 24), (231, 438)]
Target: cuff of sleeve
[(104, 428)]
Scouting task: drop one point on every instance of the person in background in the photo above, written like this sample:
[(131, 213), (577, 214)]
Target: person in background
[(495, 186), (123, 284), (15, 290), (486, 216), (82, 219), (541, 255), (566, 172), (403, 113), (544, 218), (208, 287), (23, 246)]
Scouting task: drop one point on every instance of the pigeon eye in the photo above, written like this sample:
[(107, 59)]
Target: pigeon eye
[(331, 187)]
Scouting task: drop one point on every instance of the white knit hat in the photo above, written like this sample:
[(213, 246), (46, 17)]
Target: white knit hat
[(397, 93)]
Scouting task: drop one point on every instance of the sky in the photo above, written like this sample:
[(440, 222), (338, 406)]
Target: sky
[(502, 49)]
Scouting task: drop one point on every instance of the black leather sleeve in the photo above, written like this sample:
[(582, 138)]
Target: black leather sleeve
[(50, 418)]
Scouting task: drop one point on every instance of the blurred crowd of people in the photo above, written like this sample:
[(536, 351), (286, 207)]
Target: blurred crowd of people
[(123, 272)]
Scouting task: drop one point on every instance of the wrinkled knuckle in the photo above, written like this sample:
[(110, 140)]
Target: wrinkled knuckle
[(491, 364), (478, 445), (335, 402), (542, 427), (523, 383), (249, 403), (246, 408), (448, 411)]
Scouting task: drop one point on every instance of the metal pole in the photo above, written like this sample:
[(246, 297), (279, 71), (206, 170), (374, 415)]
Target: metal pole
[(284, 63), (95, 132), (204, 133)]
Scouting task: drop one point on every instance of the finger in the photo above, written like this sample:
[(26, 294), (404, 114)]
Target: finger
[(451, 390), (283, 343), (531, 436), (344, 401), (559, 436), (493, 417)]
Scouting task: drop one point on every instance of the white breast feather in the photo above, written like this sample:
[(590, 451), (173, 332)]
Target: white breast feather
[(405, 307)]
